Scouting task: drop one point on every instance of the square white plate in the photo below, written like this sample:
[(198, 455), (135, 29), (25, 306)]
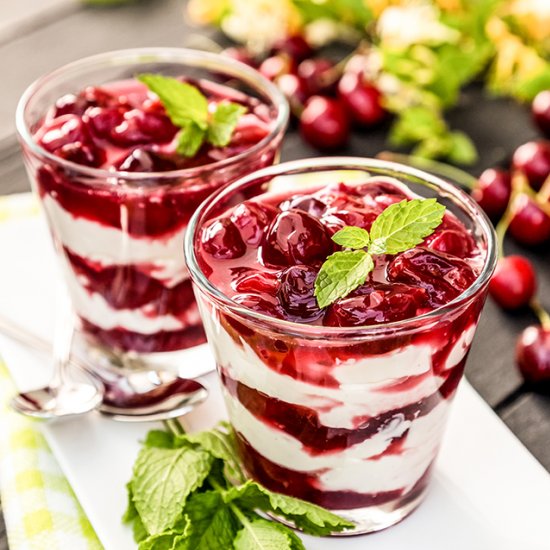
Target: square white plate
[(488, 492)]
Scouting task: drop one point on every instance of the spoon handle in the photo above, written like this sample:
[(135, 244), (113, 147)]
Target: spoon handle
[(63, 336), (22, 336)]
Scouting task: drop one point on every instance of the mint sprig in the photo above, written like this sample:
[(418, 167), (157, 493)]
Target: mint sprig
[(188, 492), (187, 108), (398, 228)]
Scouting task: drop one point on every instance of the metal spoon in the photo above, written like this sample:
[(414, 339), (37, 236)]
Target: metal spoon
[(64, 395), (128, 396)]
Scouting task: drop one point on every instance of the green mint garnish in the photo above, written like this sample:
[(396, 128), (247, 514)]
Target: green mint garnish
[(399, 227), (188, 491), (187, 108)]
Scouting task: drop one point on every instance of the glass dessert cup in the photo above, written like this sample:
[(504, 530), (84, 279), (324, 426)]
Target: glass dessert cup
[(350, 418), (119, 233)]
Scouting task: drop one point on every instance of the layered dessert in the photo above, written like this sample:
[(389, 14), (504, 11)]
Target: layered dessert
[(119, 207), (343, 405)]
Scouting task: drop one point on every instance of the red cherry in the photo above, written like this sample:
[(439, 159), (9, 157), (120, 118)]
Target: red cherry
[(82, 153), (141, 127), (141, 160), (252, 218), (307, 203), (492, 192), (530, 224), (514, 282), (69, 104), (97, 97), (275, 66), (533, 159), (451, 241), (315, 75), (295, 46), (295, 237), (64, 130), (533, 354), (324, 123), (103, 120), (295, 293), (540, 109), (223, 241), (293, 89), (265, 304), (361, 99)]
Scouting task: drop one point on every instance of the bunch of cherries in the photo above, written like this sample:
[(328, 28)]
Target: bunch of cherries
[(327, 99), (519, 200)]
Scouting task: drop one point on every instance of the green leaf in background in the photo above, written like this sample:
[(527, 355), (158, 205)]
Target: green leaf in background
[(341, 274), (261, 534), (310, 518), (352, 237), (183, 102), (223, 123), (417, 123), (461, 149), (527, 89), (163, 479), (213, 526), (404, 225), (354, 13)]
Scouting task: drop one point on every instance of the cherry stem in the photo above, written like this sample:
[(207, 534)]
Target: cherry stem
[(541, 313), (501, 229), (438, 168)]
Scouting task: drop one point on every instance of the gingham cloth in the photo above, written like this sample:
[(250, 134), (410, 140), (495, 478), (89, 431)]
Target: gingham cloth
[(40, 509)]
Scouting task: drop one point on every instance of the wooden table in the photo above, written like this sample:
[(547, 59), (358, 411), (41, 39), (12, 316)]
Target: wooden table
[(39, 35)]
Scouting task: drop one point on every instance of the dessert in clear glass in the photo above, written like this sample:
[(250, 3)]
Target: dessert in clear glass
[(343, 406), (101, 154)]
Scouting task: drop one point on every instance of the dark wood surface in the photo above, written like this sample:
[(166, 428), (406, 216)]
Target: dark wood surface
[(68, 31)]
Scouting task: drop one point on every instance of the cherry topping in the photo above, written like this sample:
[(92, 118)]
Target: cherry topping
[(252, 218), (530, 224), (258, 282), (324, 123), (307, 203), (97, 97), (493, 191), (442, 275), (69, 104), (65, 130), (82, 153), (380, 303), (140, 127), (141, 160), (295, 293), (361, 99), (103, 120), (223, 241), (451, 241), (533, 354), (295, 237), (262, 304), (514, 282), (533, 159), (541, 111)]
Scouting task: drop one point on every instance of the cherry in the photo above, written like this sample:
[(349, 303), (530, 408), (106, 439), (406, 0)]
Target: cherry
[(295, 46), (540, 109), (295, 293), (451, 241), (64, 130), (257, 282), (69, 104), (249, 130), (251, 218), (295, 237), (358, 217), (97, 97), (141, 160), (140, 127), (443, 276), (103, 120), (533, 354), (362, 100), (262, 304), (307, 203), (222, 240), (533, 159), (492, 191), (379, 303), (275, 66), (315, 75), (293, 89), (514, 282), (530, 224), (324, 123)]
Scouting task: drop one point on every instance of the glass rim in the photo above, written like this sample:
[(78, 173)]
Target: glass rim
[(126, 56), (356, 332)]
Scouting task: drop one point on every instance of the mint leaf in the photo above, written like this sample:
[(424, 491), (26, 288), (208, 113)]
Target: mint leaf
[(163, 479), (169, 540), (261, 534), (190, 139), (183, 102), (160, 439), (342, 273), (404, 225), (221, 445), (310, 518), (352, 237), (223, 123), (213, 526)]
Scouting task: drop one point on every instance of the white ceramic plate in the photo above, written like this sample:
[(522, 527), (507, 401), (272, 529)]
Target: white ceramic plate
[(489, 493)]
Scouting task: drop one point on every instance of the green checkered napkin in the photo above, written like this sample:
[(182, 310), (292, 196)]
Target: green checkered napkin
[(40, 509)]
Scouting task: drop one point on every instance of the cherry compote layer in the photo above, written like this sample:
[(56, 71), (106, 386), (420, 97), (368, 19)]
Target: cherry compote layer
[(330, 414), (122, 237)]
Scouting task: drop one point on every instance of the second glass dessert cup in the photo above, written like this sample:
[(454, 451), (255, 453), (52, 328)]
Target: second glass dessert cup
[(350, 418), (119, 234)]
